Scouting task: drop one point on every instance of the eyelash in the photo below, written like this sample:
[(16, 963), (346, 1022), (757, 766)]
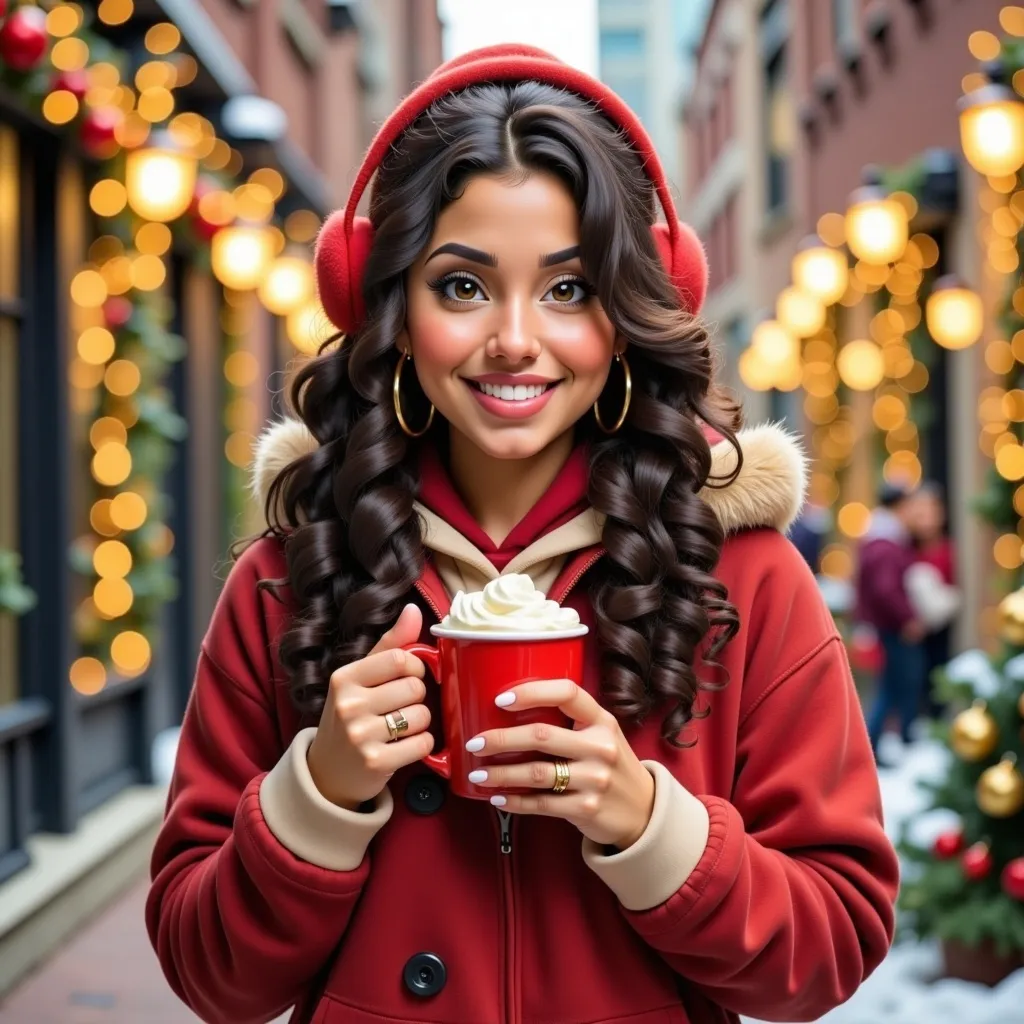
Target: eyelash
[(441, 283)]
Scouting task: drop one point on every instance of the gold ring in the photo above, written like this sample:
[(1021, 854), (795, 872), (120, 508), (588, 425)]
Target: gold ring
[(561, 777), (397, 723)]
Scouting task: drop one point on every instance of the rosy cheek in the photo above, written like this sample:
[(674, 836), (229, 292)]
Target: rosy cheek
[(440, 339), (584, 346)]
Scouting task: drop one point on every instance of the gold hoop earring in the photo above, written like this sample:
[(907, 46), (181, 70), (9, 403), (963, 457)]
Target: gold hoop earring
[(396, 392), (621, 359)]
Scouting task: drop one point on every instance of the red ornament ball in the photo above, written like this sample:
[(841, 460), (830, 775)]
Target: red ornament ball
[(948, 845), (1012, 879), (117, 311), (23, 38), (98, 131), (977, 862), (74, 82), (865, 652), (203, 228)]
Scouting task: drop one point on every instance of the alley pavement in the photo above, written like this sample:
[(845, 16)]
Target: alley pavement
[(106, 974)]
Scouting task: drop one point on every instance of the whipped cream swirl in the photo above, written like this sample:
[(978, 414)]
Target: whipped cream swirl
[(509, 604)]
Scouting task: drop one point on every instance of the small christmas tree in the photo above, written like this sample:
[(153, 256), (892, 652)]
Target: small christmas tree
[(967, 888)]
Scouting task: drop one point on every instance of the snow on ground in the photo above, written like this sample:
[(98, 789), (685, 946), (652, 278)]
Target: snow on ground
[(903, 989)]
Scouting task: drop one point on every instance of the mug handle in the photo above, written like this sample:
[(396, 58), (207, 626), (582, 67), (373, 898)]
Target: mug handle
[(441, 761)]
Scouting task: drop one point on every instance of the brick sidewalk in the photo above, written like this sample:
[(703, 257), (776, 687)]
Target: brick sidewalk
[(107, 974)]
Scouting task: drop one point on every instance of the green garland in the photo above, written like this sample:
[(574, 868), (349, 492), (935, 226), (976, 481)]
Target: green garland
[(152, 426), (15, 597)]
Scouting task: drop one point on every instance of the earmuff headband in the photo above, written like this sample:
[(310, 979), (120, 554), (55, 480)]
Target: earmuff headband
[(504, 64)]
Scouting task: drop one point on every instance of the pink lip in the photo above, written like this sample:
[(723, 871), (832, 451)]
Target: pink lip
[(499, 379), (511, 410)]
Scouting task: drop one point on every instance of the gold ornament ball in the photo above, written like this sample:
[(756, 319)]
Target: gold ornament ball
[(1000, 792), (1011, 618), (1020, 705), (973, 734)]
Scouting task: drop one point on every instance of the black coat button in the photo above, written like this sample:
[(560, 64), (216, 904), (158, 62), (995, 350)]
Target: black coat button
[(424, 975), (424, 794)]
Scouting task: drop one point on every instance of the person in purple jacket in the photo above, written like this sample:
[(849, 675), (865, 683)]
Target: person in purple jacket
[(886, 552)]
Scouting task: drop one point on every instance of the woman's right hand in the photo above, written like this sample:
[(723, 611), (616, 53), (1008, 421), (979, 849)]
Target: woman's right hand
[(352, 757)]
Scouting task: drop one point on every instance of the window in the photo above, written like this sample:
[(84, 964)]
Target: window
[(10, 245), (779, 120), (633, 92), (619, 43), (844, 22)]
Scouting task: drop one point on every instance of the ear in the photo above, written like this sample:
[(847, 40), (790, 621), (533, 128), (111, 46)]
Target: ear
[(402, 342)]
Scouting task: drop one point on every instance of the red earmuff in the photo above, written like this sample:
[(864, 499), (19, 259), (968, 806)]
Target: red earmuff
[(344, 243)]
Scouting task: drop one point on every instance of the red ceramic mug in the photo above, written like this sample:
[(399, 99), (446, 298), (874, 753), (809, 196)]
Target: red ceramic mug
[(471, 669)]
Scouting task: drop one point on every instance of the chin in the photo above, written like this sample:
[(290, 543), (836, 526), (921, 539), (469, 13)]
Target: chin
[(524, 446)]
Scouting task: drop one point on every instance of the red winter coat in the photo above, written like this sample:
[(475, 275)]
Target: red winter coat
[(763, 884)]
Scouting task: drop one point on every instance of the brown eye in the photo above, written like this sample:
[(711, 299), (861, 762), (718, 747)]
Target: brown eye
[(460, 289), (570, 292)]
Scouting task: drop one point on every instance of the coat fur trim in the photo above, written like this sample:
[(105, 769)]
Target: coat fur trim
[(769, 490)]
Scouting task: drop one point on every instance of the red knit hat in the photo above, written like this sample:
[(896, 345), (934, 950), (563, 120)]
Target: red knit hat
[(345, 240)]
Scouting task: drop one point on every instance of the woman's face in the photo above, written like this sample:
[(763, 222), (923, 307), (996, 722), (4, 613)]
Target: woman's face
[(507, 339)]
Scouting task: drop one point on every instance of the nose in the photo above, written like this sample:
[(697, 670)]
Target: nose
[(515, 338)]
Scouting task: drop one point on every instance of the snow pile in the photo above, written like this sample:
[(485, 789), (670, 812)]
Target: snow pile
[(904, 989)]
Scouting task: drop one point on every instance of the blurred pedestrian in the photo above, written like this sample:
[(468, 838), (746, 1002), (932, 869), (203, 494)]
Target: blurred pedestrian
[(932, 586), (886, 553), (809, 532)]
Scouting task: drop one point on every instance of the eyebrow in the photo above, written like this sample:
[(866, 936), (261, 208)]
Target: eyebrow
[(466, 252), (487, 259), (562, 256)]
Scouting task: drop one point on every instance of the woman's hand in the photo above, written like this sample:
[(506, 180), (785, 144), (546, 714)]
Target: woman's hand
[(610, 793), (352, 756)]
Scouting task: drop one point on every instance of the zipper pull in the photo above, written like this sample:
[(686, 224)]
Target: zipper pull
[(505, 817)]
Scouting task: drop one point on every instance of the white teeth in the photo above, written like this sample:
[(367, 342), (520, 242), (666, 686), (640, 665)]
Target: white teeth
[(510, 393)]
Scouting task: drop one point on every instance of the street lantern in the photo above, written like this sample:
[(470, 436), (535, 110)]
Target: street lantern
[(160, 178), (776, 346), (992, 126), (754, 373), (240, 255), (308, 327), (288, 285), (861, 365), (954, 314), (820, 270), (877, 226), (802, 313)]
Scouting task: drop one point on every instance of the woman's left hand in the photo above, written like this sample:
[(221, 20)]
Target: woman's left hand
[(610, 793)]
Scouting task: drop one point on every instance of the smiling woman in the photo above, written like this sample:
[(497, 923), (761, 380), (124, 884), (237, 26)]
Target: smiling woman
[(643, 841)]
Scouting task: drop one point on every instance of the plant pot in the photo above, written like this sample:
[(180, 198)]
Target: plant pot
[(979, 964)]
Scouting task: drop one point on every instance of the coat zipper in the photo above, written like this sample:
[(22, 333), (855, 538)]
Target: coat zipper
[(511, 1014)]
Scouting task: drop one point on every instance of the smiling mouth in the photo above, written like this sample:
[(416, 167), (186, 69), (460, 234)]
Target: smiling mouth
[(513, 393)]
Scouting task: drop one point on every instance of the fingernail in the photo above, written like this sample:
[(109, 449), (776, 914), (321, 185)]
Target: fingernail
[(475, 744), (478, 776), (503, 700), (498, 801)]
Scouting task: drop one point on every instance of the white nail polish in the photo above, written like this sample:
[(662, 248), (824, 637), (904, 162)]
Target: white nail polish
[(498, 801), (503, 700), (475, 744), (478, 776)]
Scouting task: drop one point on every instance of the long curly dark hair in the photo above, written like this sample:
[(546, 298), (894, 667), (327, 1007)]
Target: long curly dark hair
[(345, 511)]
